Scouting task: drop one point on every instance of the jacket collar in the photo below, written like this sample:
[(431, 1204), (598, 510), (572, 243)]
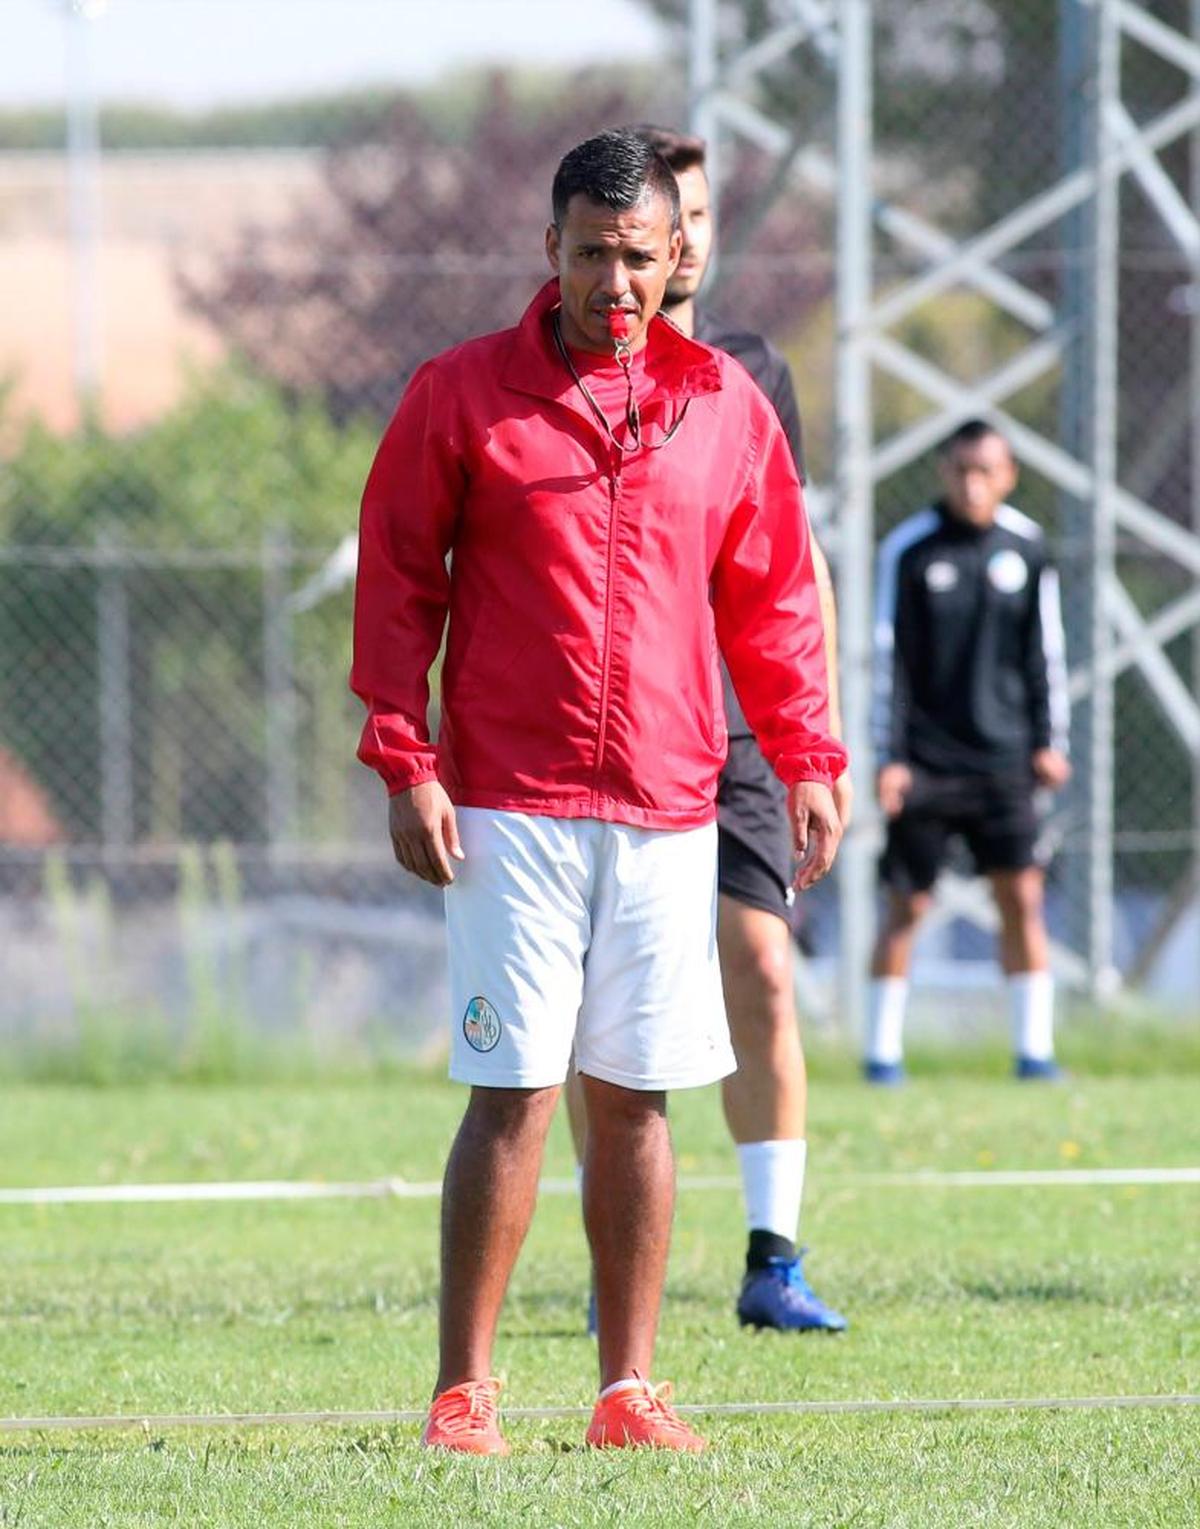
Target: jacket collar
[(681, 368)]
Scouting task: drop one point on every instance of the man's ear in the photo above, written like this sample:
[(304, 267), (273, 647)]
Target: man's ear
[(674, 250), (552, 246)]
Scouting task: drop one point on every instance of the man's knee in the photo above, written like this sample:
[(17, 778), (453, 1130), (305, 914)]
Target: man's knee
[(905, 910), (611, 1108), (511, 1112), (756, 958), (767, 968), (1020, 895)]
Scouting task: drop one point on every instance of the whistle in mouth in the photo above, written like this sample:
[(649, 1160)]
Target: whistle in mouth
[(618, 324)]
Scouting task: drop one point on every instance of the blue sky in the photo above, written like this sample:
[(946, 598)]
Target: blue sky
[(196, 53)]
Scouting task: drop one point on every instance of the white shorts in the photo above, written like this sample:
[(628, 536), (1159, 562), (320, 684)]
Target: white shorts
[(572, 932)]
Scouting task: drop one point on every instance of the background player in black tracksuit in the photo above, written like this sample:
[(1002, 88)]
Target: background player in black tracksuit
[(970, 719), (765, 1100)]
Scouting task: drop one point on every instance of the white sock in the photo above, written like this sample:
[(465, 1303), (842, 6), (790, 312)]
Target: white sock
[(628, 1383), (1031, 1002), (885, 1021), (773, 1185)]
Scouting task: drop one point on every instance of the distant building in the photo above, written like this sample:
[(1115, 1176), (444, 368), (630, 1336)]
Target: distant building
[(159, 211)]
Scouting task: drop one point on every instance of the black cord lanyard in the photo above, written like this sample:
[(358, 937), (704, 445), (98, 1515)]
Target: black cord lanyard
[(633, 415)]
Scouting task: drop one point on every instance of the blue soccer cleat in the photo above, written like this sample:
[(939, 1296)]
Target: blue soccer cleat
[(885, 1074), (1031, 1069), (779, 1296)]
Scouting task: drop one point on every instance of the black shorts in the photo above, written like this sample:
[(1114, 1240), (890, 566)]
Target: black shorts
[(993, 814), (754, 841)]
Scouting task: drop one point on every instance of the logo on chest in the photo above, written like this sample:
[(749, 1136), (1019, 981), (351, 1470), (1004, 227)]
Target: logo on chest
[(941, 577), (1007, 571)]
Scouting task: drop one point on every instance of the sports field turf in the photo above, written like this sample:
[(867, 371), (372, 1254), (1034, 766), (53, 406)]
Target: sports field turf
[(958, 1292)]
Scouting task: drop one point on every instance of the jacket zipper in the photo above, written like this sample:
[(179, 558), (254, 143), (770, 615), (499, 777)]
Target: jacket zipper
[(606, 660)]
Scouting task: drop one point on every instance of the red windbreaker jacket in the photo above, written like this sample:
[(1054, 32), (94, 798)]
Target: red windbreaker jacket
[(587, 592)]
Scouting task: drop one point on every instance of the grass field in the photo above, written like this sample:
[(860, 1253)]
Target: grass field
[(331, 1305)]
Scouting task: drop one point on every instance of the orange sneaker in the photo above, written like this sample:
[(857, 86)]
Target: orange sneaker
[(464, 1418), (639, 1416)]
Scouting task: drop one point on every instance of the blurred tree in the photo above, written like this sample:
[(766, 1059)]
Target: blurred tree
[(417, 243), (414, 244), (234, 459), (301, 122), (187, 513)]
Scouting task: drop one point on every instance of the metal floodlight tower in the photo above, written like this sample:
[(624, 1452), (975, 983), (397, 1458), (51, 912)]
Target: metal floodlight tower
[(1104, 151)]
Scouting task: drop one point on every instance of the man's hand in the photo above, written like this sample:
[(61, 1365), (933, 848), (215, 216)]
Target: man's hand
[(1051, 768), (816, 830), (892, 786), (843, 799), (425, 833)]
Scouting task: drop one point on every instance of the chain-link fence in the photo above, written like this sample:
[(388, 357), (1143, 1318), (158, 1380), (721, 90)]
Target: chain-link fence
[(1008, 141), (183, 831)]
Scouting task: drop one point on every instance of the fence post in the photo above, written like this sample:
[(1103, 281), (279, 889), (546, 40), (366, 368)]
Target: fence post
[(281, 782), (113, 696)]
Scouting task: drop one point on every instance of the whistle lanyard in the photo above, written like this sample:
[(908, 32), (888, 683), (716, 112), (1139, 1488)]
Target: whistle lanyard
[(633, 415)]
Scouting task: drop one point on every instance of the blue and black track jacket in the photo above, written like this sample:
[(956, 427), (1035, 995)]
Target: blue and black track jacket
[(970, 670)]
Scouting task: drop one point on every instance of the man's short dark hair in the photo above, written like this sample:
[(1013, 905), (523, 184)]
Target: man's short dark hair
[(970, 432), (680, 150), (616, 169)]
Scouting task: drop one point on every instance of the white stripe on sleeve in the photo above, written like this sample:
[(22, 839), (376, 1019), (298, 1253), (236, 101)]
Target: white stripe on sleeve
[(1054, 645)]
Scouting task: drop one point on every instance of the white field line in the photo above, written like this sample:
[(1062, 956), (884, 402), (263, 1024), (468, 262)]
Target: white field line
[(1033, 1178), (150, 1422), (265, 1189), (402, 1189)]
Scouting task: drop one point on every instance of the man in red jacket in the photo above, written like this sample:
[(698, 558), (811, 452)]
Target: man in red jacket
[(620, 502)]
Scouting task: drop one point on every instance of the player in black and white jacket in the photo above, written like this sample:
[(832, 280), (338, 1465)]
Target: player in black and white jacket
[(970, 719)]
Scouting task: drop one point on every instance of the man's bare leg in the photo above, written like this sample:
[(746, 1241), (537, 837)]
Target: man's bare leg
[(894, 947), (765, 1104), (487, 1203), (1020, 901), (766, 1098), (890, 964), (628, 1203), (1025, 958), (576, 1113)]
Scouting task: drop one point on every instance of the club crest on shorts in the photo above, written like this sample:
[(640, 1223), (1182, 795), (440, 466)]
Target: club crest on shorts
[(481, 1025)]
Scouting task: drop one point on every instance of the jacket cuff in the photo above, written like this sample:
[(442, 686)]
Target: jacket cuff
[(402, 771), (822, 768), (403, 774)]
